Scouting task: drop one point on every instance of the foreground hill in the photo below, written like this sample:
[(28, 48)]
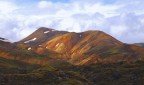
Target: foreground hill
[(82, 48), (96, 74)]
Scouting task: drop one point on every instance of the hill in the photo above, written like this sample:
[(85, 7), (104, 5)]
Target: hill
[(83, 48)]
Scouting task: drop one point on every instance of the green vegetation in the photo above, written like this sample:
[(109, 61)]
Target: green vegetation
[(115, 74), (53, 66), (15, 51), (13, 66), (26, 53), (61, 73)]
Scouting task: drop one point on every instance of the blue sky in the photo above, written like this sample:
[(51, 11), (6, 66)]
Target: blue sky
[(123, 19)]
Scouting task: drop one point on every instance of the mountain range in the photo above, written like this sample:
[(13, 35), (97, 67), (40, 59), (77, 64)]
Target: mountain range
[(140, 44), (53, 57)]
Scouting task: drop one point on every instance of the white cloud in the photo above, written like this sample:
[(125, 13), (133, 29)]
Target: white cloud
[(45, 4), (118, 30), (121, 19), (7, 7)]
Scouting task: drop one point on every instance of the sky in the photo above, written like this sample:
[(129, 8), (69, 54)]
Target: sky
[(122, 19)]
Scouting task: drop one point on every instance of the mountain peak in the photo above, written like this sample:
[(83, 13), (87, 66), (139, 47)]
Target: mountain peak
[(45, 29), (41, 35)]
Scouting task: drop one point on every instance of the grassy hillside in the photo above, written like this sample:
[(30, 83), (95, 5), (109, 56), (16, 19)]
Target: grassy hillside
[(97, 74), (13, 66)]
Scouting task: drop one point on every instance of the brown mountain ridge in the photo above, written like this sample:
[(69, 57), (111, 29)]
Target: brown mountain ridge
[(81, 48)]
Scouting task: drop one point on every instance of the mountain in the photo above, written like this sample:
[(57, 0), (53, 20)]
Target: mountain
[(140, 44), (51, 57), (41, 35), (13, 52), (82, 48)]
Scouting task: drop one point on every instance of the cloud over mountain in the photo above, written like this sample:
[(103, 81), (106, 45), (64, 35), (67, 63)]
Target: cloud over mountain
[(122, 19)]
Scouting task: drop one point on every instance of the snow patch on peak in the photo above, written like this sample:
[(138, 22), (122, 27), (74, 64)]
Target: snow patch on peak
[(33, 39), (40, 45), (26, 42), (46, 32), (53, 30), (30, 40), (57, 44), (29, 48)]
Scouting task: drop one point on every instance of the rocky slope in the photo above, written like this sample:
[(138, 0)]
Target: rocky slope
[(13, 52), (82, 48)]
